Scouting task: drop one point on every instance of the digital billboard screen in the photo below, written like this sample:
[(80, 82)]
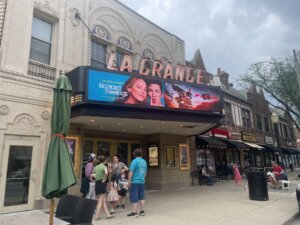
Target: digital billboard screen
[(141, 91)]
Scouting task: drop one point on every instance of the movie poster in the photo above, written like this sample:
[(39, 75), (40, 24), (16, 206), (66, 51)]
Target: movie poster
[(149, 92)]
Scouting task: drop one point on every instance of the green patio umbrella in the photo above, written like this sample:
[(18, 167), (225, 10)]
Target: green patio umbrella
[(58, 172)]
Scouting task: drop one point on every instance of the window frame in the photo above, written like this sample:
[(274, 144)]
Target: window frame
[(105, 46), (52, 23), (259, 126), (246, 122)]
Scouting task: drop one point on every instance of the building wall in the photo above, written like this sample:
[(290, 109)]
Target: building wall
[(25, 99)]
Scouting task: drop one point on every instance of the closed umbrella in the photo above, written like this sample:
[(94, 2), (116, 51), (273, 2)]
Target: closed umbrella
[(58, 172)]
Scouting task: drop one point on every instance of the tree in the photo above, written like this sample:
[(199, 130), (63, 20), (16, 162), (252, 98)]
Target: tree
[(278, 78)]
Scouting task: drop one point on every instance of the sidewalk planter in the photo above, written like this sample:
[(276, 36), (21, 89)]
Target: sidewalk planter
[(257, 184)]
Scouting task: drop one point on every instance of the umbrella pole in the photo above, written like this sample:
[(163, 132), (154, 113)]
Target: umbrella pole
[(51, 211)]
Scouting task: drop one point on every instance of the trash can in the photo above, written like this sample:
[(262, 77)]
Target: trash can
[(298, 195), (257, 184)]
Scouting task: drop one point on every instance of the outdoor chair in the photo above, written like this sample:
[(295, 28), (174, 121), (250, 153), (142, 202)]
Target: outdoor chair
[(83, 212), (66, 206)]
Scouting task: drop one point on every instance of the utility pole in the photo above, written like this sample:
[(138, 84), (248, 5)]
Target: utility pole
[(297, 66)]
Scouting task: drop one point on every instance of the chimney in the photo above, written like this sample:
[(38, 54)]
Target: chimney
[(223, 77)]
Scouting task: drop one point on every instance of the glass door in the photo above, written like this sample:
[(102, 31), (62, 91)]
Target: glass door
[(19, 171)]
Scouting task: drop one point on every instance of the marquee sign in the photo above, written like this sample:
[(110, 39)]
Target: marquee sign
[(125, 89), (155, 68)]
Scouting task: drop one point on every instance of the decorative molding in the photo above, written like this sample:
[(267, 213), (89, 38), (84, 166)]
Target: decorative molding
[(45, 115), (46, 7), (125, 43), (148, 54), (12, 75), (4, 110), (101, 32), (72, 13), (24, 119)]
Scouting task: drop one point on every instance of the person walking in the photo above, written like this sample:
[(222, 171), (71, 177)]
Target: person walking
[(89, 168), (100, 188), (238, 179), (136, 181)]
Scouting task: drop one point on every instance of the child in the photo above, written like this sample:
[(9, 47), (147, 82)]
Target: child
[(237, 177), (123, 188), (113, 196)]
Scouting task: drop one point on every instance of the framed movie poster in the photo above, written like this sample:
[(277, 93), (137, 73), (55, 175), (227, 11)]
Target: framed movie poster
[(170, 156), (72, 143), (153, 156), (184, 157)]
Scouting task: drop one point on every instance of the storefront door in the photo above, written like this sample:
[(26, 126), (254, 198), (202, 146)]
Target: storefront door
[(109, 148), (18, 173)]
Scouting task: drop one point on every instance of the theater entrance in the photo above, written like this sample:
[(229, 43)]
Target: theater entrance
[(109, 148)]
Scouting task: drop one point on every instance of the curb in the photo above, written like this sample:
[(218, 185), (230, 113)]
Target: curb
[(291, 219)]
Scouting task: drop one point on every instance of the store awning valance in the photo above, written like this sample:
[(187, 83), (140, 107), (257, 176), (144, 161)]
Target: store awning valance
[(205, 141), (296, 151), (235, 145), (253, 145), (287, 151), (271, 148)]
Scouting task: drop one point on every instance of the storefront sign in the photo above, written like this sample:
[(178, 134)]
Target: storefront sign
[(155, 68), (123, 89), (247, 136), (268, 140), (217, 132)]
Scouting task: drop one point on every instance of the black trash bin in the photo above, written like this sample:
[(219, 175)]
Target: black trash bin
[(298, 196), (257, 184)]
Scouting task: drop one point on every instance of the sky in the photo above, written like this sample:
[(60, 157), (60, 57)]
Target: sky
[(231, 34)]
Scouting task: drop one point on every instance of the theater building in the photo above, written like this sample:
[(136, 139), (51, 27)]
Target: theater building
[(102, 46)]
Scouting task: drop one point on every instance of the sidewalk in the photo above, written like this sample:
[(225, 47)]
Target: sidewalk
[(220, 204)]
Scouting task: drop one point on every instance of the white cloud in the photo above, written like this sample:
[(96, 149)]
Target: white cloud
[(231, 34)]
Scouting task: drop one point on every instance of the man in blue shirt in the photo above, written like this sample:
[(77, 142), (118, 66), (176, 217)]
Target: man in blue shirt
[(136, 180)]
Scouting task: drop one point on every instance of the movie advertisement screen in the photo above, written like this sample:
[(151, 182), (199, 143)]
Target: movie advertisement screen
[(151, 93)]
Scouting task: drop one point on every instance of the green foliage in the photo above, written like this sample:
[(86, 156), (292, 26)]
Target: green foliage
[(278, 78)]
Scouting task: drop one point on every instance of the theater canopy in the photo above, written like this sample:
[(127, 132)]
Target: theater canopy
[(109, 98)]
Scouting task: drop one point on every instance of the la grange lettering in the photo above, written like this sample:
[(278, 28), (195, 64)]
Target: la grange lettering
[(155, 68)]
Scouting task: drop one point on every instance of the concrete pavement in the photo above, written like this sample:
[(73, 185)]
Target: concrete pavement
[(220, 204)]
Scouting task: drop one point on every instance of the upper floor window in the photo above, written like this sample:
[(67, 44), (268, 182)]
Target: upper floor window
[(292, 136), (285, 131), (246, 118), (119, 58), (41, 37), (98, 55), (259, 122), (228, 113), (266, 123)]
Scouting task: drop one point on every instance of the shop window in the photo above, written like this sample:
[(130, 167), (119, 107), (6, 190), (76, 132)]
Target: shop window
[(210, 160), (259, 122), (122, 152), (87, 150), (170, 156), (98, 55), (41, 38), (200, 155), (266, 124)]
